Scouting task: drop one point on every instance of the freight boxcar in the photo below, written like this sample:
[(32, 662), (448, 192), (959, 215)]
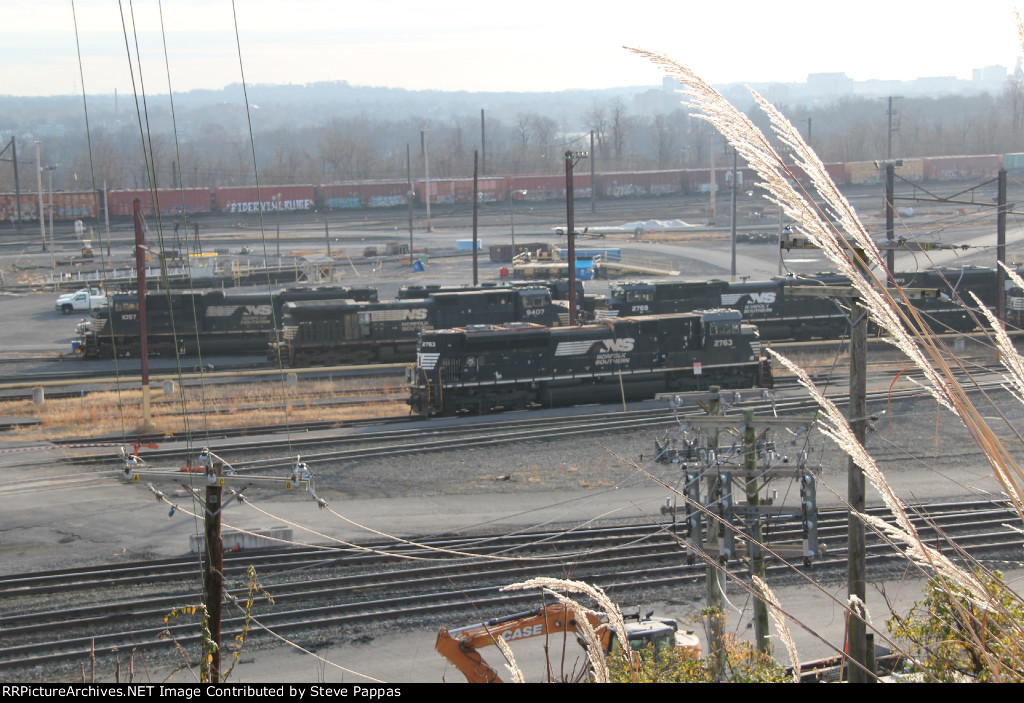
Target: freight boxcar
[(540, 188), (251, 200), (67, 205), (169, 202), (366, 194), (961, 168), (520, 365)]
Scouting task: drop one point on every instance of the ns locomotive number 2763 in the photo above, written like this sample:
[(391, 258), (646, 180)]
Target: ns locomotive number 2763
[(483, 368)]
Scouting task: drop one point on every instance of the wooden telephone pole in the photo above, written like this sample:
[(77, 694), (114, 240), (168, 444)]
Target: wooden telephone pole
[(212, 500)]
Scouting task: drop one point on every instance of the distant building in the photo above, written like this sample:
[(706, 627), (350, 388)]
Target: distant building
[(670, 84), (990, 74), (826, 84), (50, 129)]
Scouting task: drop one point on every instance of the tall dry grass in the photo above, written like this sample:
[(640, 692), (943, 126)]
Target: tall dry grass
[(821, 213), (199, 408)]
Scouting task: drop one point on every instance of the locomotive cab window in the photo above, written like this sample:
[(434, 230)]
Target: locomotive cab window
[(639, 296), (718, 329)]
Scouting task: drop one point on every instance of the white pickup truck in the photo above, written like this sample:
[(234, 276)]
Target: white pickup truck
[(82, 299)]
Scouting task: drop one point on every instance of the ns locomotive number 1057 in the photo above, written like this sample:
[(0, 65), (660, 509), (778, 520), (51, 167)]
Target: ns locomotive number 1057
[(483, 368)]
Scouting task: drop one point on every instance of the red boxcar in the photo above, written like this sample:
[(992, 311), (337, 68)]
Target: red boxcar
[(339, 196), (490, 189), (74, 205), (246, 199), (961, 168), (837, 172), (29, 206), (441, 191), (550, 187), (698, 180), (642, 184), (170, 201), (71, 205)]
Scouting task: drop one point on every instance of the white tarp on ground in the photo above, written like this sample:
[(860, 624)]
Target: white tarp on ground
[(656, 225), (632, 227)]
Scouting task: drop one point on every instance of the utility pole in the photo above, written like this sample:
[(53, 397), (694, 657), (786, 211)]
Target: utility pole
[(781, 214), (712, 216), (213, 566), (712, 577), (970, 196), (857, 555), (710, 461), (593, 180), (327, 236), (1001, 246), (857, 636), (476, 200), (39, 188), (17, 188), (140, 280), (753, 525), (106, 216), (890, 113), (570, 216), (512, 215), (483, 144), (49, 175), (277, 209), (890, 226), (426, 169), (733, 217), (410, 194), (136, 470)]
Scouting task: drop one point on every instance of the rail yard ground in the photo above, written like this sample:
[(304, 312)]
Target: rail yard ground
[(52, 517), (549, 484)]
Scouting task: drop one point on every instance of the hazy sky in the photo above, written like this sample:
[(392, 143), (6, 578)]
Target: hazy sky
[(517, 46)]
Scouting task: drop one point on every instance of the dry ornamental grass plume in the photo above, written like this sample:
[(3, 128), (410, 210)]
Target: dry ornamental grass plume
[(595, 652), (835, 229), (776, 612), (506, 651)]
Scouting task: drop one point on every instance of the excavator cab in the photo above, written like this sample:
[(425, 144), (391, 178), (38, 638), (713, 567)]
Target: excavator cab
[(656, 634)]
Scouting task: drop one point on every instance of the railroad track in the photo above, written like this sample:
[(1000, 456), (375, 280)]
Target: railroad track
[(328, 442), (318, 591)]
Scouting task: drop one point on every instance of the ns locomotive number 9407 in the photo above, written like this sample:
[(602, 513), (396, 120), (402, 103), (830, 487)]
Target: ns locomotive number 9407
[(483, 368)]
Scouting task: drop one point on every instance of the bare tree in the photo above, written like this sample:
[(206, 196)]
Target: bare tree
[(597, 122), (619, 124)]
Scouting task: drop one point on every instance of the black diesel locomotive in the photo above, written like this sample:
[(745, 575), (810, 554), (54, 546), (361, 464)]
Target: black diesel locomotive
[(346, 329), (781, 314), (207, 321), (343, 332), (484, 368)]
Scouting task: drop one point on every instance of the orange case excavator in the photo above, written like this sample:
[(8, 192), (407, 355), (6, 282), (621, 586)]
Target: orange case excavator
[(461, 646)]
